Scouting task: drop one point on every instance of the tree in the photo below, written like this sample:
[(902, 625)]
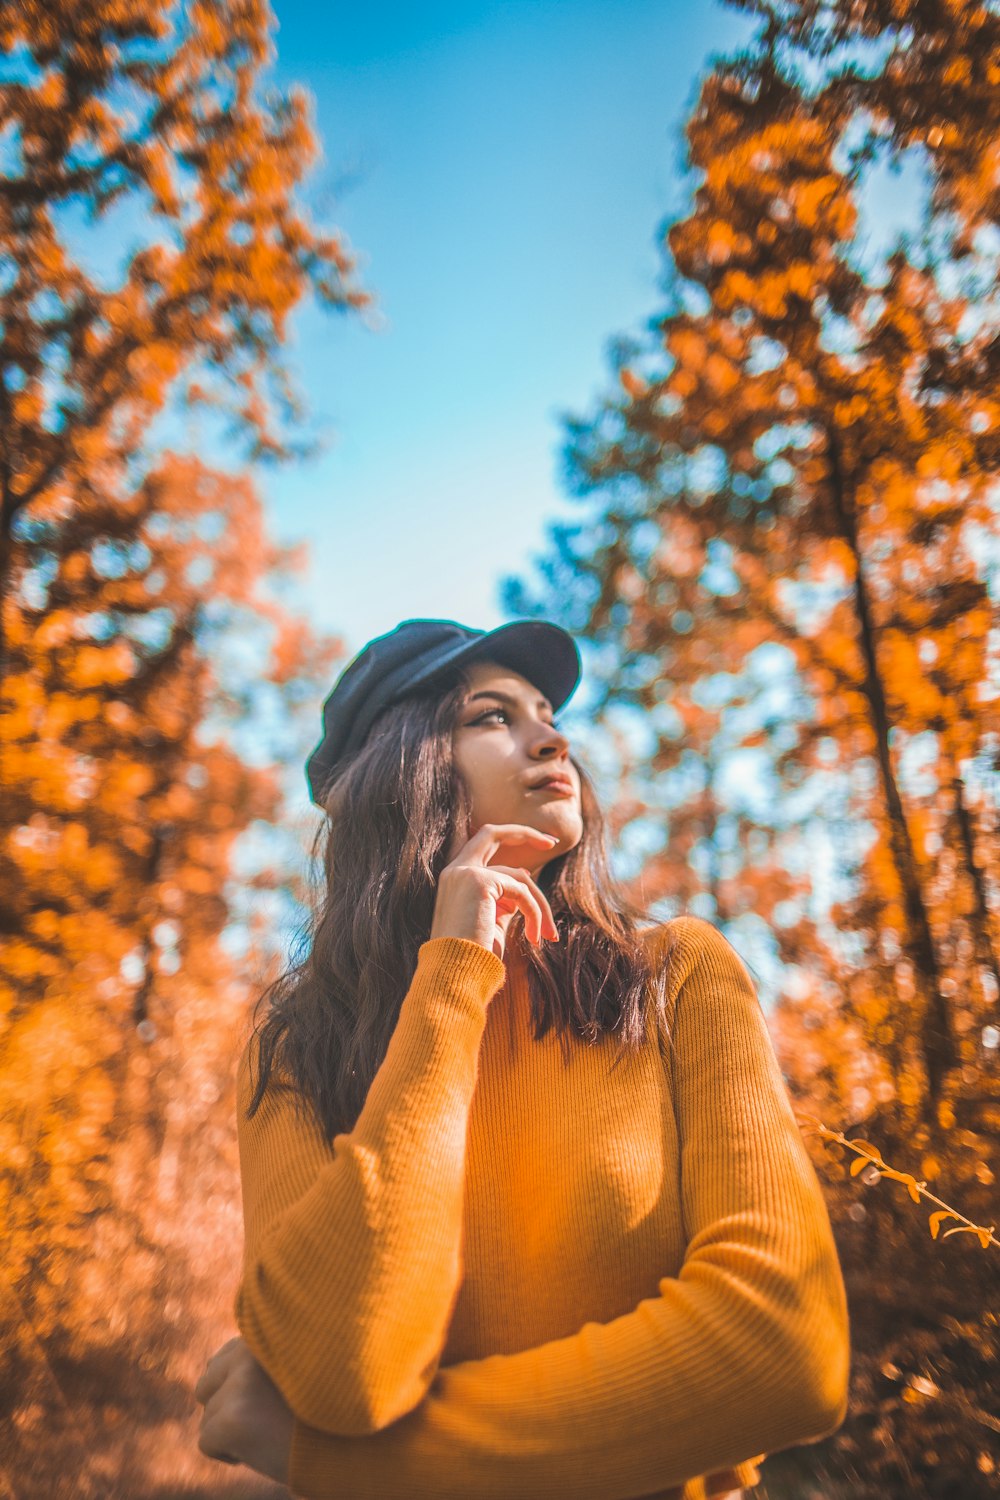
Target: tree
[(132, 579), (122, 1005), (792, 566), (149, 116)]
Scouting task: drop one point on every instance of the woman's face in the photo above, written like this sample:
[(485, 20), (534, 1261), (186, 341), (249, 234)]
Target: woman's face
[(505, 745)]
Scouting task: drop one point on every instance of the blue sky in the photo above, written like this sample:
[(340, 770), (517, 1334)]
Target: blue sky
[(501, 171)]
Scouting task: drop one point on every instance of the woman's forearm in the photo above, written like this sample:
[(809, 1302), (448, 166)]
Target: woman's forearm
[(353, 1252)]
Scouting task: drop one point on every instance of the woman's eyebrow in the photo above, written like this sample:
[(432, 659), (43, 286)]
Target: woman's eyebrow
[(506, 698)]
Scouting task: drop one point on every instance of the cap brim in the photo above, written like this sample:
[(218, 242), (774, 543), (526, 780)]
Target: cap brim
[(542, 652)]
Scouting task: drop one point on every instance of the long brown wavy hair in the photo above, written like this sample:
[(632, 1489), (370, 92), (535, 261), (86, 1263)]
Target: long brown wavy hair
[(392, 811)]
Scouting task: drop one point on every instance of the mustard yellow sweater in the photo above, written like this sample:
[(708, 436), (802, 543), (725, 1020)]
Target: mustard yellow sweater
[(519, 1278)]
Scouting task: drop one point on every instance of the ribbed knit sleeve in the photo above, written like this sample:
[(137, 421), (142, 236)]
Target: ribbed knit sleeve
[(744, 1353), (353, 1255)]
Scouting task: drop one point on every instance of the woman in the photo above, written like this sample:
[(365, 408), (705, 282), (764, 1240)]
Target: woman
[(527, 1210)]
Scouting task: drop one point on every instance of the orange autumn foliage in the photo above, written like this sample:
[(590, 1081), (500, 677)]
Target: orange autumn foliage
[(133, 740), (205, 171), (121, 1004)]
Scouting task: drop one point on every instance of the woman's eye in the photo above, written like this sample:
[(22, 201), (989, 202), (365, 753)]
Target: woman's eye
[(490, 712)]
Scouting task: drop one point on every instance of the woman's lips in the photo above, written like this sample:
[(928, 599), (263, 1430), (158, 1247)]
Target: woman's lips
[(555, 788)]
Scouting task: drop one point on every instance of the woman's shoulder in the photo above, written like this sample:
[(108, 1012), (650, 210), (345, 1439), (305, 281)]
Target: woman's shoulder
[(686, 932), (682, 943), (702, 976)]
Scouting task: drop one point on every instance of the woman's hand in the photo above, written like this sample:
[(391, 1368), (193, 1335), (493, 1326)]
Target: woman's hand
[(477, 899), (246, 1419)]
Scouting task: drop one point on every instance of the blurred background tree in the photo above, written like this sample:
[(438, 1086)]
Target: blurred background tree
[(152, 247), (789, 562)]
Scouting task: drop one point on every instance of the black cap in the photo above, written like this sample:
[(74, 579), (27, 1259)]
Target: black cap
[(395, 664)]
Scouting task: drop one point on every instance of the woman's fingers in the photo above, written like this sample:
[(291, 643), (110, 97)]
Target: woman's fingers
[(525, 875), (516, 897), (493, 836), (246, 1419), (216, 1397), (212, 1437), (215, 1371), (524, 893)]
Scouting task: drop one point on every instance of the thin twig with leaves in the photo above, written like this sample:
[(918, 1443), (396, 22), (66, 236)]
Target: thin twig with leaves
[(868, 1154)]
